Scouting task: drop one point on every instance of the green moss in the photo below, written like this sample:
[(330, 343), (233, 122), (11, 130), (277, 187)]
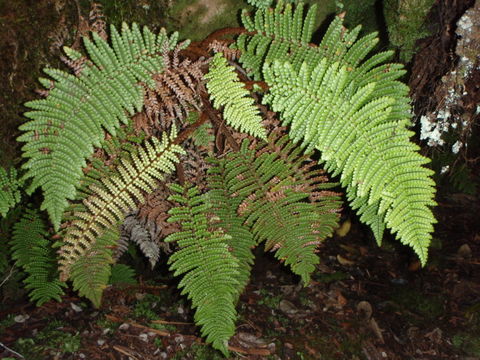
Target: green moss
[(145, 308), (406, 22), (198, 352), (52, 342), (196, 19), (416, 306), (361, 12)]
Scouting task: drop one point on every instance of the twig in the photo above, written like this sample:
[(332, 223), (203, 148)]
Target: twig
[(12, 351), (7, 277), (124, 351), (170, 322)]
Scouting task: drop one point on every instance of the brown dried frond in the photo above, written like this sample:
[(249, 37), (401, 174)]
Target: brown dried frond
[(175, 93), (96, 20), (222, 46), (195, 166), (141, 124), (76, 65), (152, 214)]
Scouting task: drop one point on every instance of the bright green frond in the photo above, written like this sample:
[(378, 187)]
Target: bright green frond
[(362, 132), (226, 90), (279, 34), (208, 267), (65, 126), (32, 250)]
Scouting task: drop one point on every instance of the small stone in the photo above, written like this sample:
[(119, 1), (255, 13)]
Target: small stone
[(100, 342), (21, 318), (124, 326), (287, 307), (178, 339), (75, 307), (464, 251), (143, 337)]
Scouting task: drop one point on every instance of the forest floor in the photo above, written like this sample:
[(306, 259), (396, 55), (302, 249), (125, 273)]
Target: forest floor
[(364, 302)]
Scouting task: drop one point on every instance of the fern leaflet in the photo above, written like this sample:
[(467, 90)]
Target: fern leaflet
[(91, 272), (9, 190), (122, 274)]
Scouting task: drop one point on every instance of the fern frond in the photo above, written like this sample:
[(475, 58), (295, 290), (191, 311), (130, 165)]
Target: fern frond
[(241, 241), (280, 34), (66, 125), (280, 197), (175, 92), (10, 186), (361, 131), (134, 231), (91, 272), (226, 90), (208, 267), (32, 250), (115, 196)]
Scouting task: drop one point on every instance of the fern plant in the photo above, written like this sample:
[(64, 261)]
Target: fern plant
[(119, 150)]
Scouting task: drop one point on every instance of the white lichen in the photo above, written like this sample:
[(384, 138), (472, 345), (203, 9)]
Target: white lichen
[(456, 147)]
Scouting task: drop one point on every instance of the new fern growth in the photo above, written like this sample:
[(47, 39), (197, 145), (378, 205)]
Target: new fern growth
[(97, 146)]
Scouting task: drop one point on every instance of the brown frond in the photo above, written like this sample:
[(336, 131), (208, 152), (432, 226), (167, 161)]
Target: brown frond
[(175, 93), (195, 166), (96, 20), (222, 46), (152, 214), (76, 66)]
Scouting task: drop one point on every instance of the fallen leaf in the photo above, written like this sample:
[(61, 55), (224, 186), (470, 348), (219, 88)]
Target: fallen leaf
[(345, 262)]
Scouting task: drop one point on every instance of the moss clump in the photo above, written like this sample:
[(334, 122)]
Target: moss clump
[(406, 24)]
